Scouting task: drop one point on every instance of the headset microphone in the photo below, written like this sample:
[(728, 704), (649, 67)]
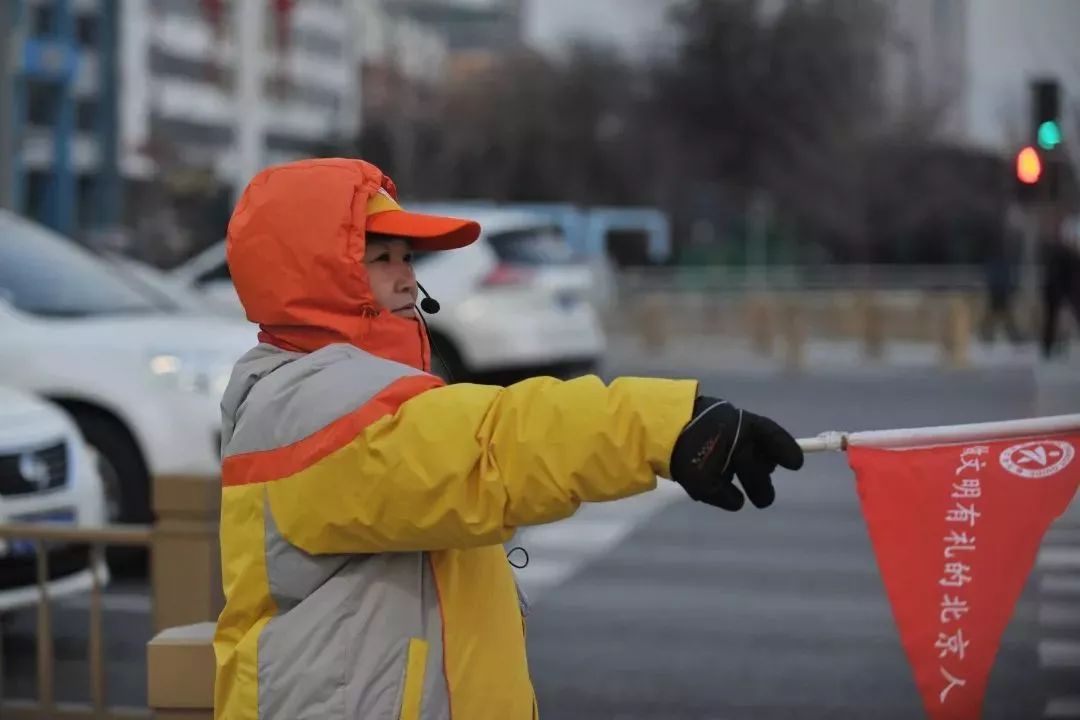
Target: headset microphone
[(434, 345), (429, 304)]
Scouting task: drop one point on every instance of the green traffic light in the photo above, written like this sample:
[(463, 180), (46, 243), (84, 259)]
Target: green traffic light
[(1049, 135)]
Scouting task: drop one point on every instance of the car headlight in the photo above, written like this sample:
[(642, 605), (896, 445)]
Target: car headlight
[(192, 372)]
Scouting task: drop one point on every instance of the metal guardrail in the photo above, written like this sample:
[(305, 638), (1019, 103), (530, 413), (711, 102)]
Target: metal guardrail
[(46, 707), (874, 304), (776, 278)]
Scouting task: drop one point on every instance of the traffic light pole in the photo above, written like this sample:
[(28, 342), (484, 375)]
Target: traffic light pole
[(1029, 274)]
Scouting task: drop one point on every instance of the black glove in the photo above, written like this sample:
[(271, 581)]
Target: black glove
[(721, 442)]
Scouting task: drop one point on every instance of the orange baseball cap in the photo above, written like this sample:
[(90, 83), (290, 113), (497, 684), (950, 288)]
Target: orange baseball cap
[(426, 232)]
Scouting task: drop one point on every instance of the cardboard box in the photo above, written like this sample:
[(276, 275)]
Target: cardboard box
[(180, 671)]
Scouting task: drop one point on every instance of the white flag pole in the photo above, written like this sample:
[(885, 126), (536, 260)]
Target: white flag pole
[(942, 435)]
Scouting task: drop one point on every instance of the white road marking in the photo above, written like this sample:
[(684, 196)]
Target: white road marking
[(1060, 614), (1060, 584), (1063, 707), (1059, 653), (1059, 557), (135, 603), (558, 550)]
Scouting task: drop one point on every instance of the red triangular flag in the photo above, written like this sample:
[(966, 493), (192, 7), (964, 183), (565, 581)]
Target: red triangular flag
[(956, 529)]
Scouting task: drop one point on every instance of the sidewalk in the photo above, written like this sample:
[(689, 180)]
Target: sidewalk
[(723, 354), (1058, 386), (1057, 392)]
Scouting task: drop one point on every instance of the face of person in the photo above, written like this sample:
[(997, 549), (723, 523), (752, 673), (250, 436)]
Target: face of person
[(388, 262)]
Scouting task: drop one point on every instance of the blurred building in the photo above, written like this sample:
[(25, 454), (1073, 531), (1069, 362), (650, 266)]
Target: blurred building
[(107, 104), (403, 66), (58, 111), (963, 67), (958, 85), (403, 61), (637, 29), (234, 86), (924, 64), (477, 32)]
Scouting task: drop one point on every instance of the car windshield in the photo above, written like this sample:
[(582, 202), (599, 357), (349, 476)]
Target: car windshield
[(42, 273), (532, 246)]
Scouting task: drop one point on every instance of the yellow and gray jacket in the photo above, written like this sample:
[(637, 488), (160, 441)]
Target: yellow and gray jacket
[(365, 503)]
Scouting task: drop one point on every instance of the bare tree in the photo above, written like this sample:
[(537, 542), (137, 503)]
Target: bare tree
[(781, 103), (536, 129)]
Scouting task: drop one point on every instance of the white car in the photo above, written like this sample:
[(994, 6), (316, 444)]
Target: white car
[(142, 379), (160, 283), (46, 475), (515, 303)]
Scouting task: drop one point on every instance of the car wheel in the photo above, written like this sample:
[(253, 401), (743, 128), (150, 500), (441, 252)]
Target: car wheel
[(125, 479), (123, 472), (111, 486)]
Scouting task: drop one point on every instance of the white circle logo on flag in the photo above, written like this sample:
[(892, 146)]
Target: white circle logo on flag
[(1038, 459)]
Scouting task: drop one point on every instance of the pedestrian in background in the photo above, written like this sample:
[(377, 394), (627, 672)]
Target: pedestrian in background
[(1061, 278), (1002, 265)]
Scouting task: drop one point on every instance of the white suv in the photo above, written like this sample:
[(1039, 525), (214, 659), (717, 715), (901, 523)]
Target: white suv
[(515, 303), (142, 379), (46, 475)]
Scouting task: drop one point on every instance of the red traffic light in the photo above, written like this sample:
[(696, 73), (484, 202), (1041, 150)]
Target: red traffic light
[(1029, 166)]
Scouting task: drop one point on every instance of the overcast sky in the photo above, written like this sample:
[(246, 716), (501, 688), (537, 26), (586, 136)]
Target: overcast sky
[(634, 26)]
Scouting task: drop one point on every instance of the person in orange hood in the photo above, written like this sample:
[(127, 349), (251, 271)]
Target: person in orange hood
[(365, 502)]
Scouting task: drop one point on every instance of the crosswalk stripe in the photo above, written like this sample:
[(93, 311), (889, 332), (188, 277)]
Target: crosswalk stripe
[(1059, 557), (1060, 584), (1059, 614), (558, 550), (1063, 536), (873, 617), (587, 535), (1059, 653), (543, 574), (1063, 707)]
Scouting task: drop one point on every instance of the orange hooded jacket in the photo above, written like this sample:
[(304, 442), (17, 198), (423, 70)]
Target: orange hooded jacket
[(364, 503)]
